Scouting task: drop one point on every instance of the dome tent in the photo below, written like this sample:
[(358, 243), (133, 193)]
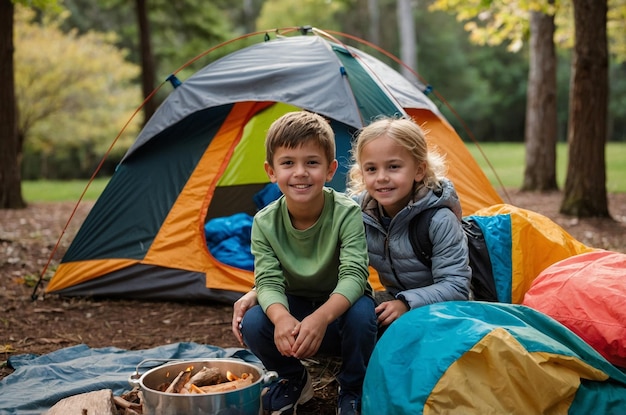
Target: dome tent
[(201, 157)]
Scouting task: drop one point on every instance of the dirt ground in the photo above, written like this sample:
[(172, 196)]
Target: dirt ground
[(28, 237)]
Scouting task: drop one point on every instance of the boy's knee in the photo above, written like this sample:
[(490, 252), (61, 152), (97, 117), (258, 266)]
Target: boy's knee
[(253, 319), (363, 308), (361, 316)]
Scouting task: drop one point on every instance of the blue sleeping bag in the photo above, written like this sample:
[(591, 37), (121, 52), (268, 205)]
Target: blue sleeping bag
[(228, 240)]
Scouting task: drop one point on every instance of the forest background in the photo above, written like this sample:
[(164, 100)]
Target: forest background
[(80, 75), (82, 67)]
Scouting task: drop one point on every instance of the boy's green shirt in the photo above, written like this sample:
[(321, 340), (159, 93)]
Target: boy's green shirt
[(329, 257)]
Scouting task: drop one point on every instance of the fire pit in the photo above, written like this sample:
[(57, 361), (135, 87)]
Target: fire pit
[(236, 398)]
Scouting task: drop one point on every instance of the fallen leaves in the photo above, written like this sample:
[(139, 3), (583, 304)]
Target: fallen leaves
[(7, 348)]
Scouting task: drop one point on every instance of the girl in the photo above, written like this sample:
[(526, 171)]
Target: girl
[(395, 177)]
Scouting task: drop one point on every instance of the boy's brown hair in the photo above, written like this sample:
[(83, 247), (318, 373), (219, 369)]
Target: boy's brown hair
[(296, 128)]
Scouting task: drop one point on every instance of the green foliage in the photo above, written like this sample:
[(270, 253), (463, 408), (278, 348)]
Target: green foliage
[(49, 5), (74, 92), (491, 22), (182, 30), (617, 102), (616, 27), (477, 82), (486, 86), (289, 13), (179, 30)]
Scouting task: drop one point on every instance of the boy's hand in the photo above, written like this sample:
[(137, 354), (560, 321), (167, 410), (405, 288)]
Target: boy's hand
[(240, 307), (390, 311), (309, 335), (285, 330)]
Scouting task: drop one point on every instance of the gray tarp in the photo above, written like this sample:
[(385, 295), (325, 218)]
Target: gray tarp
[(39, 382)]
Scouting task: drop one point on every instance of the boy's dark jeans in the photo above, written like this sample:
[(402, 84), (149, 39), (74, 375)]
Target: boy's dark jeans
[(352, 337)]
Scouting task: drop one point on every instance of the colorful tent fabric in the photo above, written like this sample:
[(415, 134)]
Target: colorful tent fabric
[(487, 358), (201, 157), (521, 244), (587, 294)]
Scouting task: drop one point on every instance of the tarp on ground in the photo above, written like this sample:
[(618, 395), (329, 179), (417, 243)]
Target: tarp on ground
[(48, 378)]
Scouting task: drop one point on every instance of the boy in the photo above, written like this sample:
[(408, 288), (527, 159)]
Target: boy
[(311, 270)]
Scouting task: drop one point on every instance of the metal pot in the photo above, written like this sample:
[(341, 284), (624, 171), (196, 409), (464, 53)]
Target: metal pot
[(244, 401)]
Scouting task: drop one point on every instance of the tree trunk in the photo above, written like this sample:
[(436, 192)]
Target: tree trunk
[(585, 184), (541, 115), (248, 16), (374, 26), (147, 60), (10, 147), (406, 28)]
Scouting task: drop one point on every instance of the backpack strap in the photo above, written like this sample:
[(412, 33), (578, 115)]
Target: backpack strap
[(419, 237), (483, 284)]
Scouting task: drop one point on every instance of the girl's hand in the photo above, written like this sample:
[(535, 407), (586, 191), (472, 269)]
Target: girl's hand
[(390, 311)]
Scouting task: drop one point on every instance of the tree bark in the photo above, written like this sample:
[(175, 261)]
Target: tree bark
[(406, 28), (147, 59), (248, 16), (10, 146), (374, 26), (541, 114), (585, 184)]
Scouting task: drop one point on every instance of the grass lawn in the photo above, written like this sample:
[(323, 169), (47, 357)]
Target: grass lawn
[(61, 190), (507, 160)]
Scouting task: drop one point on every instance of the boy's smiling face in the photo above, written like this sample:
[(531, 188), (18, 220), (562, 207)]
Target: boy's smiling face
[(301, 173)]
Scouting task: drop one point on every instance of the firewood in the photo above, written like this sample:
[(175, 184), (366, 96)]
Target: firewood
[(231, 376), (179, 382), (205, 376), (132, 396), (124, 404), (194, 389), (228, 386)]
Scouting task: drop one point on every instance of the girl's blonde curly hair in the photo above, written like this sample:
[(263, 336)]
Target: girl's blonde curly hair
[(406, 133)]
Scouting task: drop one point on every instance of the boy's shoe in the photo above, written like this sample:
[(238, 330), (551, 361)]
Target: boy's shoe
[(283, 396), (348, 403)]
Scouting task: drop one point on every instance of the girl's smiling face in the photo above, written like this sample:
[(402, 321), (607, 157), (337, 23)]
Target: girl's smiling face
[(389, 172), (301, 172)]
